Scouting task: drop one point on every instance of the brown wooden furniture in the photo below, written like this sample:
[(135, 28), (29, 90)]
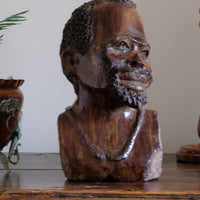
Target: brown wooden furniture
[(39, 176)]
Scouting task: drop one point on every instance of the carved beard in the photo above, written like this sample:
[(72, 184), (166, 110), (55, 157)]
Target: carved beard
[(122, 94)]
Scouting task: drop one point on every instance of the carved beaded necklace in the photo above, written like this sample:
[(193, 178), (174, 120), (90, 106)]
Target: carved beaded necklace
[(98, 152)]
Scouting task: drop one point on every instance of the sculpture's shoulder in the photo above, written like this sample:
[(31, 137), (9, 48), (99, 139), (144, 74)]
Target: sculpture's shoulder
[(151, 135), (151, 113), (65, 115), (64, 122), (150, 120)]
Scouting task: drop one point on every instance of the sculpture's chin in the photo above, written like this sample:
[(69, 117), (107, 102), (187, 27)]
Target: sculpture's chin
[(137, 80), (127, 91), (130, 97)]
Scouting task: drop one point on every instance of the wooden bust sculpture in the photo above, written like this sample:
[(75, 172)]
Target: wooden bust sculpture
[(107, 134)]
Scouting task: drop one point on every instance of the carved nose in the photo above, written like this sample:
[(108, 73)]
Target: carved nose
[(133, 58)]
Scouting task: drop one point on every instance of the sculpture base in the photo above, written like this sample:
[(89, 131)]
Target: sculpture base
[(189, 153)]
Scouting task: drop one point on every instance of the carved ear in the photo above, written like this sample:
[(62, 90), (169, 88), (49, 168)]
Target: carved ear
[(69, 60)]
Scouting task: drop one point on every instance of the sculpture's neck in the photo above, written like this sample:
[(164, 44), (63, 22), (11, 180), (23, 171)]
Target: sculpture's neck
[(97, 99), (94, 107), (97, 120)]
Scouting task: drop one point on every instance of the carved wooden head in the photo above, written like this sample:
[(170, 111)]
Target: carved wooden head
[(104, 48)]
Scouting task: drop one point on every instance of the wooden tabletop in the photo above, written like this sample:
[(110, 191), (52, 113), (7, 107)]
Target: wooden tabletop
[(39, 176)]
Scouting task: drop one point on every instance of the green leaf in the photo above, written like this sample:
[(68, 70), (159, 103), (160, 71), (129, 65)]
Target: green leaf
[(7, 24), (21, 13), (10, 21), (17, 16), (15, 20), (4, 161), (1, 38)]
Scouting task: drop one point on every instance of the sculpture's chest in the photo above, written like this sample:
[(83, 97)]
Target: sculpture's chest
[(86, 160)]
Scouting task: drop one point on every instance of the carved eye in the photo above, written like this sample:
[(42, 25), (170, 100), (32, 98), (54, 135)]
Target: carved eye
[(121, 45), (145, 52)]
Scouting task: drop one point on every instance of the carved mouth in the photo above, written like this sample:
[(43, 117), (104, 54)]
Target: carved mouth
[(137, 86), (134, 81)]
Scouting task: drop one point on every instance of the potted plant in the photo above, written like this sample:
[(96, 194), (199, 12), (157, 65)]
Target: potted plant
[(11, 99)]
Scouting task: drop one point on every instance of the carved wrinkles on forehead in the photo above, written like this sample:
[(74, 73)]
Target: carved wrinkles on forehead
[(136, 33)]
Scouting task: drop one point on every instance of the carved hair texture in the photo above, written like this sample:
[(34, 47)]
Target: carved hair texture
[(79, 30)]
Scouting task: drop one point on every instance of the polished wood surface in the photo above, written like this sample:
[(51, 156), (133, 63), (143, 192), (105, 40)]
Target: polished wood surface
[(107, 134), (191, 152), (78, 152), (39, 176)]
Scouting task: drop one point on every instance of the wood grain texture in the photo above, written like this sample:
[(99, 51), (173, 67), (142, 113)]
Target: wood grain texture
[(106, 134), (62, 195), (142, 163), (46, 181), (189, 153)]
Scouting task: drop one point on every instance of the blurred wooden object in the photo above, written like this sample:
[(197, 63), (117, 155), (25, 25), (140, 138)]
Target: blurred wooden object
[(198, 128), (190, 153), (39, 176)]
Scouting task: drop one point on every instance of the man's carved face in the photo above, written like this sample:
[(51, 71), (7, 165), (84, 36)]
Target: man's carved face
[(118, 56)]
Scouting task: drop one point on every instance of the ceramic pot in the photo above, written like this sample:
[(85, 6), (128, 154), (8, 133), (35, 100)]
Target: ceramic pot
[(11, 99)]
